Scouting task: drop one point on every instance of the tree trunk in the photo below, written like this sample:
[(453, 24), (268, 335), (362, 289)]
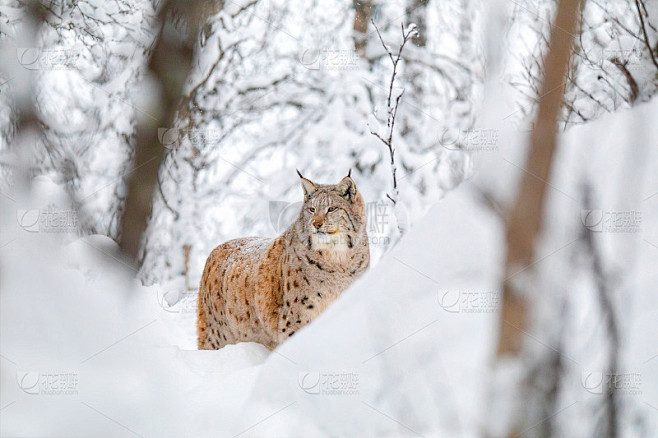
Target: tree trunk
[(362, 15), (170, 64), (525, 224)]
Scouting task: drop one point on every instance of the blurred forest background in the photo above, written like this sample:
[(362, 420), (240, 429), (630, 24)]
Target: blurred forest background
[(279, 85)]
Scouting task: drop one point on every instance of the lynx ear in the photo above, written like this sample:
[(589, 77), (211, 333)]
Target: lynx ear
[(308, 187), (346, 188)]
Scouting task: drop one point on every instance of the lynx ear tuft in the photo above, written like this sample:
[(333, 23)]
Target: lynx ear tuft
[(308, 187), (349, 173), (347, 188)]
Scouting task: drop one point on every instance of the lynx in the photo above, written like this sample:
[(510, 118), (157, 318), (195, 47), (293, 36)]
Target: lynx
[(264, 290)]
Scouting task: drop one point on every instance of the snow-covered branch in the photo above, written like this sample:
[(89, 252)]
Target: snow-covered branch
[(392, 105)]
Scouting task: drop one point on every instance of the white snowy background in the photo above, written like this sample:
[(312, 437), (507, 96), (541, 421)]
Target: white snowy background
[(91, 346)]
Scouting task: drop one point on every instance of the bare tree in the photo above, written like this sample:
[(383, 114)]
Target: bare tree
[(228, 93), (604, 284), (525, 221), (242, 82), (28, 125), (174, 47), (614, 56), (87, 123)]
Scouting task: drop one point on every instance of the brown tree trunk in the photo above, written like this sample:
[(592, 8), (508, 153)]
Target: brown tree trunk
[(525, 219), (187, 248), (523, 230), (170, 64), (362, 15)]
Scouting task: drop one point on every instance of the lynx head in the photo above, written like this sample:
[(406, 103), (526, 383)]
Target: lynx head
[(333, 215)]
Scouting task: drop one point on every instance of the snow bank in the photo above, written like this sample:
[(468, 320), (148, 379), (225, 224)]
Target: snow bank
[(405, 351), (86, 351)]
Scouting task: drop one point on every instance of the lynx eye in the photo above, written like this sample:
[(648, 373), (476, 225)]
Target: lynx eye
[(331, 209), (311, 209)]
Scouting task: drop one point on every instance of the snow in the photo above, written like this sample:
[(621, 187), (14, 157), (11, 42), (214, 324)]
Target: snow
[(405, 351), (87, 350), (135, 362), (293, 93), (390, 331)]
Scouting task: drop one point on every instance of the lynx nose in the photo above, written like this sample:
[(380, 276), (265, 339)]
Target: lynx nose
[(317, 223)]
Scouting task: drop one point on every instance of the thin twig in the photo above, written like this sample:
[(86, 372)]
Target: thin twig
[(392, 109), (644, 31)]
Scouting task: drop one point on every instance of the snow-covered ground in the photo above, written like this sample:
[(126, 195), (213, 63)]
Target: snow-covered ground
[(135, 370), (406, 351)]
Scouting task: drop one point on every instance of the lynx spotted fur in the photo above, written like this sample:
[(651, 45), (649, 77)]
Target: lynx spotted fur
[(264, 290)]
